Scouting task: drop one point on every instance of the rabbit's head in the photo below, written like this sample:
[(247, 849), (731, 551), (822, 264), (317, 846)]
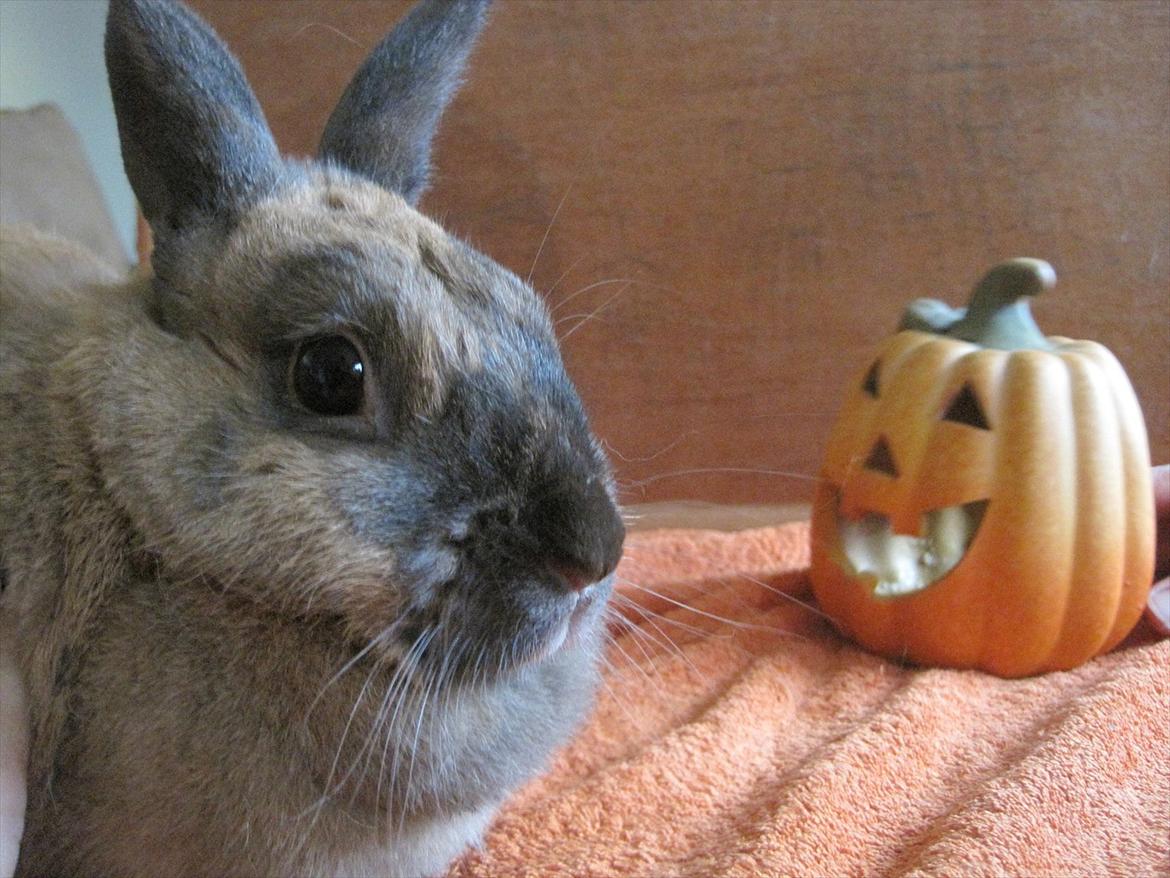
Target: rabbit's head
[(328, 404)]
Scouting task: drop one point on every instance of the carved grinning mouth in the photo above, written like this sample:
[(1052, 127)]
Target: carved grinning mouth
[(905, 564)]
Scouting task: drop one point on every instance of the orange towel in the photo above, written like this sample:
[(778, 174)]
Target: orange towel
[(767, 745)]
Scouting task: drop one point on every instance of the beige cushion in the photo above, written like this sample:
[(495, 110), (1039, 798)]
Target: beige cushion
[(46, 181)]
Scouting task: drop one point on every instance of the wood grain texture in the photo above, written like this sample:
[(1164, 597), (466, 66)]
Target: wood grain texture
[(747, 193)]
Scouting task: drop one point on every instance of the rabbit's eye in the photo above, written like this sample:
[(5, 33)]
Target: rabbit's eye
[(327, 376)]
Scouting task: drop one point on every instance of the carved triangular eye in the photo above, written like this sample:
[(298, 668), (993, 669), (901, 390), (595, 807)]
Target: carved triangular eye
[(965, 409), (870, 384), (881, 459)]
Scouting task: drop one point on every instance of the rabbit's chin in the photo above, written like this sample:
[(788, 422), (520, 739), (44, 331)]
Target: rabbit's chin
[(456, 737)]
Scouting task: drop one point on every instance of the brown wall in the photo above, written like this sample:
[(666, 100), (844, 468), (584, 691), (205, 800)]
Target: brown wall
[(749, 192)]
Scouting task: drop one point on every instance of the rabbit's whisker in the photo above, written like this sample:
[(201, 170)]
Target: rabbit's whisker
[(632, 628), (743, 626), (422, 706), (384, 724), (643, 667), (327, 789), (544, 240), (645, 612), (585, 289), (397, 684), (320, 24), (367, 747), (735, 596), (779, 592), (480, 665), (374, 641), (392, 727), (699, 471), (548, 293), (668, 447), (610, 670), (630, 661), (592, 315), (451, 663), (383, 727), (666, 642)]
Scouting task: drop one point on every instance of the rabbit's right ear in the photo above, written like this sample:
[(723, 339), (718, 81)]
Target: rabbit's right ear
[(383, 124), (194, 140)]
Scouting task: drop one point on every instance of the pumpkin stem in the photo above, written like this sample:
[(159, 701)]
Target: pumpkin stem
[(999, 316)]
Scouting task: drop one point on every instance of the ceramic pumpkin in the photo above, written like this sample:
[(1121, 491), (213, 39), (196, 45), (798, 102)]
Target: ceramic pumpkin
[(986, 498)]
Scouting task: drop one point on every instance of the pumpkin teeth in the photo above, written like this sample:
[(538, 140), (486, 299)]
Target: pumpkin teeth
[(906, 564)]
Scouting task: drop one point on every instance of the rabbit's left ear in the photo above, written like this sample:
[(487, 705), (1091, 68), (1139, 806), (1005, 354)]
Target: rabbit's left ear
[(383, 124), (194, 140)]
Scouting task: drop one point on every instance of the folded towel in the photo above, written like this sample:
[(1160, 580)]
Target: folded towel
[(738, 734)]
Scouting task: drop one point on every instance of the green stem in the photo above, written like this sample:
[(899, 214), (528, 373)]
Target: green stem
[(999, 316)]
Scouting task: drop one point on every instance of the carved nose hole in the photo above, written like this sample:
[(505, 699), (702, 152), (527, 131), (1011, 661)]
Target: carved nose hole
[(881, 459)]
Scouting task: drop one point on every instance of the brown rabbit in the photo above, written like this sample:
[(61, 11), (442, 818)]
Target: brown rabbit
[(305, 538)]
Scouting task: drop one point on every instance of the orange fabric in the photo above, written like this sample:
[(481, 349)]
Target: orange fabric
[(767, 745)]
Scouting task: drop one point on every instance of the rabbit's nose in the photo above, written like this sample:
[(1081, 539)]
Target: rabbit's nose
[(575, 578), (580, 533), (578, 575)]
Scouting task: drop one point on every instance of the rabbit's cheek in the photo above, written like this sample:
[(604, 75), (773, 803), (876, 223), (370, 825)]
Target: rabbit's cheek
[(423, 571)]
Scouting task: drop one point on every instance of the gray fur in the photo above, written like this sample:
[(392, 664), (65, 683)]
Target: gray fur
[(256, 640), (194, 140), (383, 125)]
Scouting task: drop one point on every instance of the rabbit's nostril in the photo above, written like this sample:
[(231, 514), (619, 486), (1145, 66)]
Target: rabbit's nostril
[(574, 577), (589, 550), (576, 530)]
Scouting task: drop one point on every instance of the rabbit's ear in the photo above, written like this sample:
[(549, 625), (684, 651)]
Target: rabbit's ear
[(194, 140), (383, 124)]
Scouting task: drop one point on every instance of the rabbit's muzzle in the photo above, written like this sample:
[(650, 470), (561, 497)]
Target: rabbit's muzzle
[(568, 537), (499, 514), (532, 576)]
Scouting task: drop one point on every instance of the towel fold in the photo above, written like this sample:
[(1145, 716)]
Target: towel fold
[(738, 734)]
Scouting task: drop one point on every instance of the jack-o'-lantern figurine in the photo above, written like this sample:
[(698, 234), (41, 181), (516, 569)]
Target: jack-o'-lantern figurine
[(986, 498)]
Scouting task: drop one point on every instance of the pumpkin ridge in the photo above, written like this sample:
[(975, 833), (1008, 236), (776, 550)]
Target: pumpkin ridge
[(1071, 477), (993, 405), (1034, 546), (1139, 499), (1096, 585)]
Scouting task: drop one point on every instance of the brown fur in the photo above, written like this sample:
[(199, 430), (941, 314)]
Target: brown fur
[(167, 663), (261, 633)]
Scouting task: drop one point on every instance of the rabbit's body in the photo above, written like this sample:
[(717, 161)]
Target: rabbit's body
[(305, 537)]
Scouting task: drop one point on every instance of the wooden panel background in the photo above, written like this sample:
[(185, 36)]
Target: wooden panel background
[(743, 195)]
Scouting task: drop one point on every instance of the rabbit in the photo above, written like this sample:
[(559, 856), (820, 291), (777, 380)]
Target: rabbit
[(306, 539)]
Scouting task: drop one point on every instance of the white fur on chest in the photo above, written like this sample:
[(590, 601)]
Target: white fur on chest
[(422, 850)]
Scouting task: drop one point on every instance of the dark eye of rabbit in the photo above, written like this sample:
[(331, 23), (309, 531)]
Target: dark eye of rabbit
[(328, 375)]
